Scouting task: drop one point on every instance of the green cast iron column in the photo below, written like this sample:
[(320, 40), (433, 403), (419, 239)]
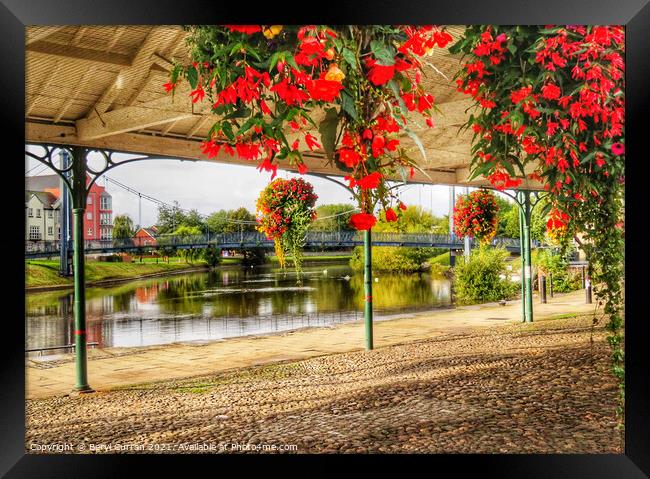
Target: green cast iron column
[(527, 260), (367, 281), (521, 253), (79, 208)]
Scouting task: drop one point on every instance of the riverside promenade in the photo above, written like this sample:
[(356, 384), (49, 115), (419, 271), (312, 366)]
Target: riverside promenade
[(115, 367)]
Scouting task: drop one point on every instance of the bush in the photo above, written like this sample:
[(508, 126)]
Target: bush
[(212, 256), (552, 262), (479, 279), (393, 258)]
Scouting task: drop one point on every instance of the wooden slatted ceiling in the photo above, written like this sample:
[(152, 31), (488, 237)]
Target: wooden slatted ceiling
[(101, 86)]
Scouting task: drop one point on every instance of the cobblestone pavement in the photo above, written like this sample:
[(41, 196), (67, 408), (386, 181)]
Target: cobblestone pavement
[(540, 388)]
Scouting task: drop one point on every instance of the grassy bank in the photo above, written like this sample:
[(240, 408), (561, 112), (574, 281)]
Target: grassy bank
[(43, 273), (39, 273)]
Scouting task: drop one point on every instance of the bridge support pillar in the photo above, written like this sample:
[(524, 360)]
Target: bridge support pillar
[(65, 268), (78, 210), (367, 282)]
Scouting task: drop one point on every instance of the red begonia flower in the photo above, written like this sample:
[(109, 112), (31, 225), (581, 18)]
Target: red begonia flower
[(362, 221)]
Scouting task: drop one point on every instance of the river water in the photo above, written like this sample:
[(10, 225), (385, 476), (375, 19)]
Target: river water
[(228, 302)]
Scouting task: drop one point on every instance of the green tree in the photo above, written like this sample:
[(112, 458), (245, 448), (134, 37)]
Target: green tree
[(505, 206), (413, 220), (186, 233), (170, 218), (212, 256), (333, 217), (123, 227), (194, 219), (231, 221), (509, 223)]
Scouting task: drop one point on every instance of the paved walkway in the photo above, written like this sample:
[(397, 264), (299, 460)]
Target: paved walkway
[(112, 368)]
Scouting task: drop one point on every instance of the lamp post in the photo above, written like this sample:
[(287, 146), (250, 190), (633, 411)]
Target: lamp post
[(367, 282)]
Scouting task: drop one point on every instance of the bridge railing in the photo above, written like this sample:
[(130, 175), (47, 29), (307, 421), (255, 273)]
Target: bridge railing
[(254, 238)]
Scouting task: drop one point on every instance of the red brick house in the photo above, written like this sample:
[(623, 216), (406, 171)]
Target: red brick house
[(98, 218), (146, 237)]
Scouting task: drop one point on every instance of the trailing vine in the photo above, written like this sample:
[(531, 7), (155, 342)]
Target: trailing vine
[(550, 109)]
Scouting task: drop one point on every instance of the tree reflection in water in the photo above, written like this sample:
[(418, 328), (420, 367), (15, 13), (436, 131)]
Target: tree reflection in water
[(223, 303)]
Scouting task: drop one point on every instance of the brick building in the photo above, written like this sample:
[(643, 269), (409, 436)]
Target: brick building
[(98, 218)]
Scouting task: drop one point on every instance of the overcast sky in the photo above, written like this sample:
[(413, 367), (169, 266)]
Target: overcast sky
[(209, 187)]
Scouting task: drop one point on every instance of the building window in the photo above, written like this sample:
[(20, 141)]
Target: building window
[(90, 231), (38, 212), (50, 230), (105, 202), (34, 232), (30, 212), (49, 213), (105, 218), (58, 232), (89, 216), (89, 201), (106, 234)]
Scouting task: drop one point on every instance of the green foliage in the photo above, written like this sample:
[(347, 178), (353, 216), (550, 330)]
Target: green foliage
[(231, 221), (478, 280), (442, 259), (509, 223), (170, 218), (555, 263), (412, 220), (212, 256), (193, 219), (123, 227), (189, 254), (337, 217), (393, 258)]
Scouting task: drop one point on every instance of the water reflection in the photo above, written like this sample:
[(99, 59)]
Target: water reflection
[(225, 303)]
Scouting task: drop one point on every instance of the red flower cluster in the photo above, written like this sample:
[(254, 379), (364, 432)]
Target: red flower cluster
[(311, 67), (423, 39), (571, 135), (475, 215), (362, 221)]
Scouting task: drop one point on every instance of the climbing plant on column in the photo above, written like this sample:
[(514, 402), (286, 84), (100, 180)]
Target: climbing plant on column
[(550, 107), (285, 210), (476, 216), (277, 88)]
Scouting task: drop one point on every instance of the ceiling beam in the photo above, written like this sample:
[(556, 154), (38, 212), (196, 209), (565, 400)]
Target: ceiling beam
[(127, 119), (78, 53), (185, 149), (167, 108), (134, 76)]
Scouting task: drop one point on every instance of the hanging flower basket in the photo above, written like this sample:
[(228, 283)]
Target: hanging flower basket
[(285, 209), (475, 215)]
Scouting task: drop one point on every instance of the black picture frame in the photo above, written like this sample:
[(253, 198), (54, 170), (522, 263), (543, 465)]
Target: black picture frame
[(634, 14)]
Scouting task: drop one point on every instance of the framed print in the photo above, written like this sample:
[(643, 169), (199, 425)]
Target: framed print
[(371, 229)]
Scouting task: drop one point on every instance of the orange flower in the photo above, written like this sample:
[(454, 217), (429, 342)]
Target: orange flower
[(334, 73)]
